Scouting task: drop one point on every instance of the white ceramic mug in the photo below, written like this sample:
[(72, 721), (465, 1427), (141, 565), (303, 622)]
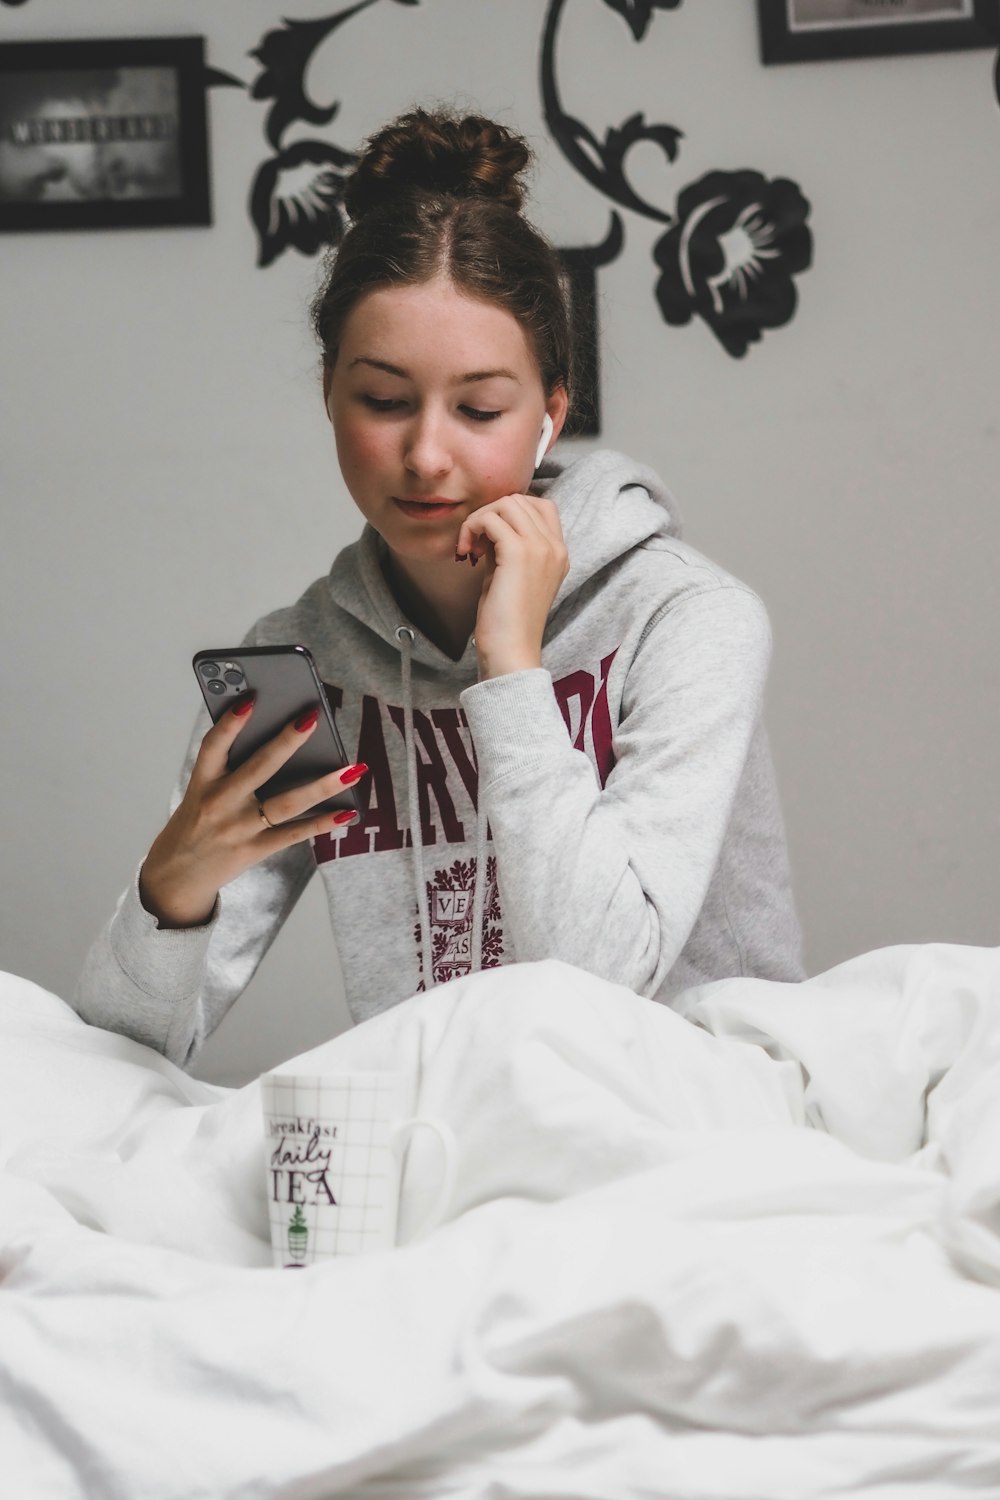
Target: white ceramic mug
[(334, 1147)]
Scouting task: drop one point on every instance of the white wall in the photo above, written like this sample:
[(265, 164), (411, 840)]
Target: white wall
[(167, 474)]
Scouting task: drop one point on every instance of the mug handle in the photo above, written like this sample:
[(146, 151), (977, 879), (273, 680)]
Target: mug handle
[(446, 1136)]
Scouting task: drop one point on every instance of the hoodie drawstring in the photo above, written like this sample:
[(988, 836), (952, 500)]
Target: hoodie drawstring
[(479, 888), (405, 638)]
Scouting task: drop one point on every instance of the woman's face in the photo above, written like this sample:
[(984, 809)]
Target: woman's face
[(437, 406)]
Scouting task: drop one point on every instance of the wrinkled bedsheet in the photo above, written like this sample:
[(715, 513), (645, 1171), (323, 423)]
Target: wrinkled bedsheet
[(746, 1248)]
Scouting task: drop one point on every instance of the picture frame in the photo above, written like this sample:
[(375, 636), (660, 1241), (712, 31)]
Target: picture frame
[(100, 134), (820, 30)]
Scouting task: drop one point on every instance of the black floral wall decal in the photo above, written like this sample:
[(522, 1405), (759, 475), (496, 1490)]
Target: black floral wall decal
[(639, 13), (730, 256), (285, 55), (297, 199), (735, 240), (600, 163), (216, 78)]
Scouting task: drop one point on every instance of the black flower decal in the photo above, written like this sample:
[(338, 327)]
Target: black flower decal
[(731, 255), (285, 54), (297, 199), (639, 13)]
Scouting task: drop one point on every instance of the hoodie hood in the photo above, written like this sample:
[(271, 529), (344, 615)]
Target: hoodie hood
[(608, 505)]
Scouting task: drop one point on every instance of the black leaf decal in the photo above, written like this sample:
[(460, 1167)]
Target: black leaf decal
[(601, 164), (636, 129), (285, 55), (618, 143), (216, 78), (639, 13), (297, 199)]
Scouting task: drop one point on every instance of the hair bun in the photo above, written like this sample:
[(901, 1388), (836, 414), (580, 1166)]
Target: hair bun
[(464, 156)]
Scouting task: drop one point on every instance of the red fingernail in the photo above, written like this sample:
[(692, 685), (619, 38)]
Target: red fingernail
[(461, 557), (475, 559), (307, 720), (244, 706), (353, 774), (345, 817)]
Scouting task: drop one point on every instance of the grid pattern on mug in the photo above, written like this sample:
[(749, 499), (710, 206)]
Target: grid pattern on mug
[(362, 1171)]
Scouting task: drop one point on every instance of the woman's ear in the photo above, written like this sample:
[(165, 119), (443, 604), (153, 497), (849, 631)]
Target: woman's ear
[(327, 386), (557, 408)]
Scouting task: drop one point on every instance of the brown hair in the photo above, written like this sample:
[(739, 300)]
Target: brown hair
[(437, 194)]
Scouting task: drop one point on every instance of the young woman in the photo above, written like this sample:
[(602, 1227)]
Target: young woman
[(555, 703)]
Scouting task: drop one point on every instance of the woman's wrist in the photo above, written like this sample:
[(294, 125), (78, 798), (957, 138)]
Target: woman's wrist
[(172, 907), (506, 660)]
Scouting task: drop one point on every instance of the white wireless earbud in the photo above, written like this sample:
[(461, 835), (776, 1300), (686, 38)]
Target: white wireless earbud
[(543, 441)]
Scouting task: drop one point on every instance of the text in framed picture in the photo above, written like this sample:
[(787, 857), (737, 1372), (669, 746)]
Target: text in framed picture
[(817, 30), (103, 134)]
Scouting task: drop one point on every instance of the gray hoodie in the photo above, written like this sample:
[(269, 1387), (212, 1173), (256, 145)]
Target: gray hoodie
[(615, 808)]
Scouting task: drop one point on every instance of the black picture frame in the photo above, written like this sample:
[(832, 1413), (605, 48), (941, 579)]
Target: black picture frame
[(813, 31), (103, 134)]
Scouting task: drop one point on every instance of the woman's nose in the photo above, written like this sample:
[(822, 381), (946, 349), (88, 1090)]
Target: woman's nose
[(427, 452)]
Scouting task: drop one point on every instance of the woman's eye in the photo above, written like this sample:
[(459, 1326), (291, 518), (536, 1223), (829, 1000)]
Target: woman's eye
[(390, 403), (377, 403)]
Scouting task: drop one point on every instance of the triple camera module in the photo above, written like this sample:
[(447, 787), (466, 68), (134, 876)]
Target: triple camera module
[(222, 677)]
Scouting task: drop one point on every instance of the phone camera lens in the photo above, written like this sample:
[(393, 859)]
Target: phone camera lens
[(233, 677), (209, 669), (216, 686)]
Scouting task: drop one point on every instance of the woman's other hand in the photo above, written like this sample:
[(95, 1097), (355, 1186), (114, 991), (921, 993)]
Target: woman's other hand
[(218, 829), (519, 538)]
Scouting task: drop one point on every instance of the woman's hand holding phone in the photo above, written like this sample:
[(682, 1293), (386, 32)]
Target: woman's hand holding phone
[(520, 538), (219, 829)]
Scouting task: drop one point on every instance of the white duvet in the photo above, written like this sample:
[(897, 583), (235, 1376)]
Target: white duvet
[(751, 1250)]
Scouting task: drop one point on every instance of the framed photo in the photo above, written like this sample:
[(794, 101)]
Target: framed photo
[(103, 134), (815, 30)]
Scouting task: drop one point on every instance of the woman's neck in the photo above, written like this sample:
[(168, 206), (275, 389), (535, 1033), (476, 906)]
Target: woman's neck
[(440, 598)]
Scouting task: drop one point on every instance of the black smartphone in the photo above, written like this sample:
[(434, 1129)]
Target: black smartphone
[(287, 685)]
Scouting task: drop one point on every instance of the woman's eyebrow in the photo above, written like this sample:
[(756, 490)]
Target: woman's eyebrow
[(468, 379), (485, 375)]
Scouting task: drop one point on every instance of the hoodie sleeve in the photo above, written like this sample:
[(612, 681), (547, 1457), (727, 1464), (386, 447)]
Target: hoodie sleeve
[(613, 879), (170, 987)]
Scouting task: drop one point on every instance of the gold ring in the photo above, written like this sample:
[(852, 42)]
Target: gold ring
[(263, 816)]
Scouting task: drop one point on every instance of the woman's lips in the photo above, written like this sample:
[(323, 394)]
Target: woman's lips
[(430, 509)]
